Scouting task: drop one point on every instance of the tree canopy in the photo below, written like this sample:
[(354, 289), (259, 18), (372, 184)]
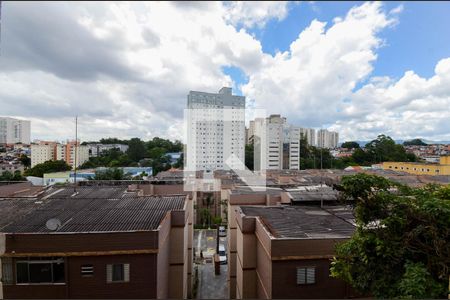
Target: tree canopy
[(350, 145), (25, 160), (249, 156), (401, 246), (153, 151), (111, 174), (414, 142), (9, 176), (48, 167)]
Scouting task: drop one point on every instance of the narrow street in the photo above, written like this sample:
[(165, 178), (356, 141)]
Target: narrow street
[(210, 286)]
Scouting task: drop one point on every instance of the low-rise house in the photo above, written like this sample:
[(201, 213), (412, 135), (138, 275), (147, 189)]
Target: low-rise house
[(99, 242), (285, 251)]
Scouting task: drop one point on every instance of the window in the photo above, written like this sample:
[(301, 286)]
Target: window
[(40, 270), (7, 275), (306, 275), (87, 270), (118, 273)]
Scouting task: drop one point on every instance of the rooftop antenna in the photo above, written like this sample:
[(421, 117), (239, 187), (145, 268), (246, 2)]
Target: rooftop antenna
[(75, 160)]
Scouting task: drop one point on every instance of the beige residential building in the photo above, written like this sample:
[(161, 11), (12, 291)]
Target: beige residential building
[(45, 151), (42, 152)]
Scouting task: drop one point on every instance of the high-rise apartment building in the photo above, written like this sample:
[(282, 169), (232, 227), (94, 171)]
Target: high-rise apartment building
[(309, 134), (215, 130), (327, 139), (280, 144), (14, 131), (45, 151)]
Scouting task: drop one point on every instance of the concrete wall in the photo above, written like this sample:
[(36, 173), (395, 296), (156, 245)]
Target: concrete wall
[(246, 259), (285, 286), (234, 200), (263, 262), (2, 251), (163, 258), (178, 255), (142, 282)]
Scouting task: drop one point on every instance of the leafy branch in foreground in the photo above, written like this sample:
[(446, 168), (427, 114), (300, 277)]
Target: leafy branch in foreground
[(401, 246)]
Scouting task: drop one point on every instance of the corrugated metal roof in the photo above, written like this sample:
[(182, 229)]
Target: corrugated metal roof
[(94, 209), (301, 222), (313, 193)]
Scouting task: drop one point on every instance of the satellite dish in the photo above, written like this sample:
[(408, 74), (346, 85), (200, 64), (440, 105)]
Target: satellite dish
[(53, 224)]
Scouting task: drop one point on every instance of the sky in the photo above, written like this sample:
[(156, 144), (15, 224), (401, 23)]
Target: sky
[(359, 68)]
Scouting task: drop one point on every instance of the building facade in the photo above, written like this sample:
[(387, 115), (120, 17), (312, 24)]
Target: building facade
[(281, 256), (215, 130), (45, 151), (434, 169), (14, 131), (100, 245), (96, 149), (279, 146), (327, 139), (309, 134)]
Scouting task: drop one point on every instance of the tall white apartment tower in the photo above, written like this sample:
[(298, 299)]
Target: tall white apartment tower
[(309, 134), (327, 139), (282, 144), (14, 131), (215, 131)]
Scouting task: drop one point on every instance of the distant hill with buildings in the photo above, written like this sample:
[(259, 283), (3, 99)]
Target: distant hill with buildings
[(429, 142)]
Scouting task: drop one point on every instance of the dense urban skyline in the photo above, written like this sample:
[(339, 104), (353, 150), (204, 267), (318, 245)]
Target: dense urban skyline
[(133, 66)]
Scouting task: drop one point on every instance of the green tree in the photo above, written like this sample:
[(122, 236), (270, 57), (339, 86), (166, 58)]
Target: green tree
[(350, 145), (414, 142), (8, 176), (180, 162), (400, 248), (25, 160), (111, 174), (160, 164), (157, 152), (48, 167), (205, 216), (113, 141), (249, 156), (136, 149), (384, 148)]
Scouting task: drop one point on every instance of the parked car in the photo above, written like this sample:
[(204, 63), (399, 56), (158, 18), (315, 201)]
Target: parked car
[(222, 231), (222, 255)]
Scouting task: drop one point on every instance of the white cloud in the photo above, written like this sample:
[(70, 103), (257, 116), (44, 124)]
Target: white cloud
[(255, 13), (321, 67), (397, 10), (126, 68), (407, 108)]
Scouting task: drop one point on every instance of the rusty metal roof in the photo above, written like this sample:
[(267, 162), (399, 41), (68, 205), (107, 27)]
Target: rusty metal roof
[(92, 209), (304, 222), (20, 190)]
